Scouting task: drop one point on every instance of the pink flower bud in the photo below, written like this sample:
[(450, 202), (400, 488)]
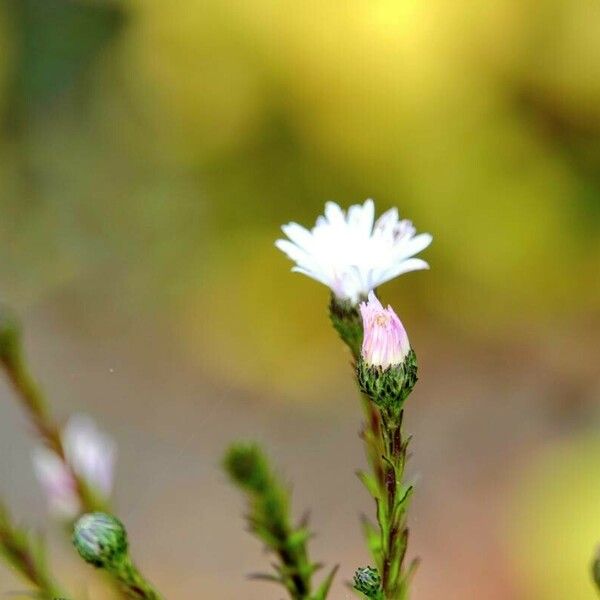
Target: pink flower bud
[(90, 454), (385, 342)]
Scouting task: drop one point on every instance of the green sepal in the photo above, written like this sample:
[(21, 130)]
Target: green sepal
[(388, 388)]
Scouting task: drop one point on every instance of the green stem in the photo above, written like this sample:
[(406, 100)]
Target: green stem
[(270, 520), (372, 437), (393, 508), (133, 583), (16, 548), (36, 407)]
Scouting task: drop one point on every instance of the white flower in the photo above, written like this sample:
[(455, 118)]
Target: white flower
[(90, 454), (352, 255)]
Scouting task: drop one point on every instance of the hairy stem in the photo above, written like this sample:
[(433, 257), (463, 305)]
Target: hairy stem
[(132, 582), (269, 519), (394, 505), (18, 550)]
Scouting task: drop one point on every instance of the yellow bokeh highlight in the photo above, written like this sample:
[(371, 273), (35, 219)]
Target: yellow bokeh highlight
[(555, 520)]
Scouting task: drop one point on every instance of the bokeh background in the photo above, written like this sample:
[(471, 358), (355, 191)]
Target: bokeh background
[(149, 152)]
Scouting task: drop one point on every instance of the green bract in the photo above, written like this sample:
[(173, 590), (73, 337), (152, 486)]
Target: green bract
[(388, 388)]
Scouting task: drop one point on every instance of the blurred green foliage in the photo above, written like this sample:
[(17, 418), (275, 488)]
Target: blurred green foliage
[(151, 150)]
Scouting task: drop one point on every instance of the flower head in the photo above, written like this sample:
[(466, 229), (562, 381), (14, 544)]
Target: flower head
[(89, 453), (368, 582), (100, 539), (352, 254), (385, 341)]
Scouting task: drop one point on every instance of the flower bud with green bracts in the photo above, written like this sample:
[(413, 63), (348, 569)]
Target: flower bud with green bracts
[(368, 582), (387, 367), (100, 539)]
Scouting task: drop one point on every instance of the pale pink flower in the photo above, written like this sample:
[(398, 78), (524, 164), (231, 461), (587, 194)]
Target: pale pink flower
[(57, 483), (351, 253), (90, 454), (385, 342)]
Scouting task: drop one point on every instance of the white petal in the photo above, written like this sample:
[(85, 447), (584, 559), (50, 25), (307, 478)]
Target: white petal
[(355, 214), (368, 216), (302, 258), (404, 230), (56, 482), (387, 220), (406, 266), (334, 214), (321, 222), (291, 250), (299, 235), (348, 284), (413, 246), (90, 452), (316, 275)]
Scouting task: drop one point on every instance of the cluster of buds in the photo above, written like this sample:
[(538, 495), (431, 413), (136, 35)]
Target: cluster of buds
[(387, 367)]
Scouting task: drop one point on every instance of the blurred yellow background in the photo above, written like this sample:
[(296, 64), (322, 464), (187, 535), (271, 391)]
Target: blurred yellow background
[(149, 152)]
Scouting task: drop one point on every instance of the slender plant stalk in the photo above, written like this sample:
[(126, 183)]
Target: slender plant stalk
[(270, 521), (395, 577), (33, 401), (386, 450), (101, 540), (373, 438), (133, 582), (26, 557), (36, 407)]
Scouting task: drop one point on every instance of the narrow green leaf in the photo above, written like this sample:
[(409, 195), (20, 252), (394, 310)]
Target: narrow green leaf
[(370, 483), (324, 588)]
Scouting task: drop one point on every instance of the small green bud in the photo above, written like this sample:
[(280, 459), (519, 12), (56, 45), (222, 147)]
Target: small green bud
[(248, 467), (100, 539), (346, 320), (368, 582), (10, 337), (388, 388)]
